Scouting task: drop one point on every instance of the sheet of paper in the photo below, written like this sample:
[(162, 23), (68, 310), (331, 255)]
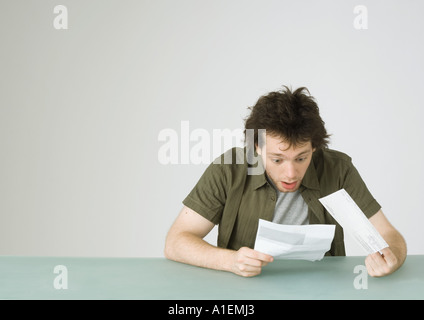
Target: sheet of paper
[(305, 242), (353, 221)]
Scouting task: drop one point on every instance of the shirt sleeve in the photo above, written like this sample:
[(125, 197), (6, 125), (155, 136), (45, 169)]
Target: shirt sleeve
[(359, 192), (208, 196)]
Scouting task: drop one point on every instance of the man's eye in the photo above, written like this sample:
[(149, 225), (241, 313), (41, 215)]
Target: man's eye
[(301, 159), (276, 160)]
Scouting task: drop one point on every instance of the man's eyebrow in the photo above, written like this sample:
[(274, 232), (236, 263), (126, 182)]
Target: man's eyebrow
[(300, 154), (304, 152)]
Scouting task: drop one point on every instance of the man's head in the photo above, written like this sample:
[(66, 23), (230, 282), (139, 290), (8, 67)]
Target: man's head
[(294, 130)]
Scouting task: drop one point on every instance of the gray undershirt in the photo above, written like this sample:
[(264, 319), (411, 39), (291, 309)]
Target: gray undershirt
[(290, 208)]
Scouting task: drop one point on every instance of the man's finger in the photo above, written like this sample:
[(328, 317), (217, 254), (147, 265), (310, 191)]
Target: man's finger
[(377, 258), (260, 256), (370, 268), (389, 256), (253, 262)]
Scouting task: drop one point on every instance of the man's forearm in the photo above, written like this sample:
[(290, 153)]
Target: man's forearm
[(188, 248)]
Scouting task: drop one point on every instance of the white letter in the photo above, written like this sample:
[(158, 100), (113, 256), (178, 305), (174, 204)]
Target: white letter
[(361, 20), (200, 153), (61, 281), (360, 281), (60, 21), (215, 309), (228, 136), (250, 148), (185, 142), (172, 146)]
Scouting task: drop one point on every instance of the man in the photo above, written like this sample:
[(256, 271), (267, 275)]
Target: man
[(294, 168)]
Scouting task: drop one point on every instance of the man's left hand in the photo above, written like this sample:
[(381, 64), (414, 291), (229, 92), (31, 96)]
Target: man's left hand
[(381, 265)]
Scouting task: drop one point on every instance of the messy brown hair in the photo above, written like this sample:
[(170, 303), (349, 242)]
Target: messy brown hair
[(293, 116)]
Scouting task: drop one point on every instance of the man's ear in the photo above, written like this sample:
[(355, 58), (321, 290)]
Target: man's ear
[(258, 150)]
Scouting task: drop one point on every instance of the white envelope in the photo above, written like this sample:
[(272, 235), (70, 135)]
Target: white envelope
[(353, 221)]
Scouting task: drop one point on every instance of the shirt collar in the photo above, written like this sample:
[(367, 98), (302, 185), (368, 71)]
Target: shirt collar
[(310, 180), (259, 179)]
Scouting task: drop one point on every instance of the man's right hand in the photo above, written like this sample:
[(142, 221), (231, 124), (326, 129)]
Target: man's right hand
[(248, 262), (184, 243)]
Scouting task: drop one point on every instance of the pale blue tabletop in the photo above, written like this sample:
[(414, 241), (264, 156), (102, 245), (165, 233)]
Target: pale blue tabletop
[(161, 279)]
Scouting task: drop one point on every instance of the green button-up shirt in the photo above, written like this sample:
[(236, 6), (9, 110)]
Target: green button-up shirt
[(227, 195)]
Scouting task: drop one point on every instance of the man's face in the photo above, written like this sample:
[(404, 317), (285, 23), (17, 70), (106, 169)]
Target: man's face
[(285, 166)]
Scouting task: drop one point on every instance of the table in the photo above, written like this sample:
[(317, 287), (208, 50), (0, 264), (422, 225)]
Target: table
[(161, 279)]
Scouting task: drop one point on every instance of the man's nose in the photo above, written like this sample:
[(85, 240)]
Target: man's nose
[(290, 171)]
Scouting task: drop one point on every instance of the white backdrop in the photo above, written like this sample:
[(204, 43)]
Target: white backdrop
[(81, 108)]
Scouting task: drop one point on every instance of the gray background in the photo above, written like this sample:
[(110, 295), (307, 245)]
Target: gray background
[(81, 109)]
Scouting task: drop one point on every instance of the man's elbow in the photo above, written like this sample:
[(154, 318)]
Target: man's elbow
[(168, 253), (168, 250)]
